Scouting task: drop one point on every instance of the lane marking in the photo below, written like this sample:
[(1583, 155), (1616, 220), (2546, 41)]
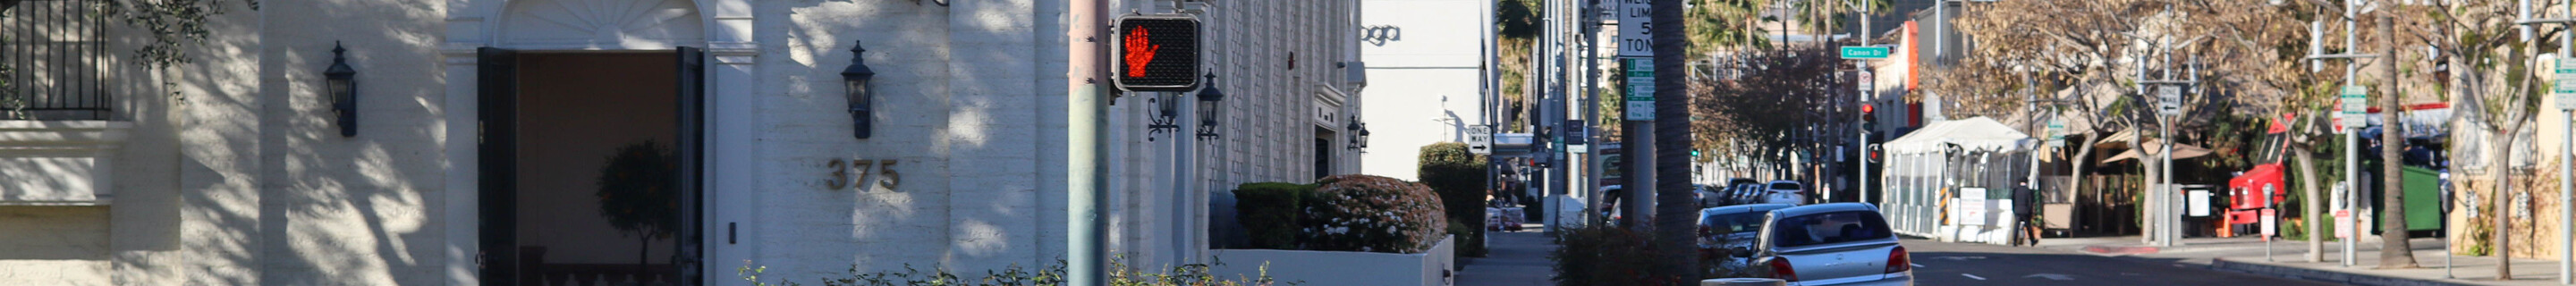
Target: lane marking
[(1972, 276), (2051, 276), (1915, 265)]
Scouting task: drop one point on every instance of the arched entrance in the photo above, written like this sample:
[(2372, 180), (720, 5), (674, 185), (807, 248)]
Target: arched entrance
[(565, 96)]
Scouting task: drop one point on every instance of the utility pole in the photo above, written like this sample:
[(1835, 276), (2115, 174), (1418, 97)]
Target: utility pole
[(1086, 179), (2564, 91), (2352, 122)]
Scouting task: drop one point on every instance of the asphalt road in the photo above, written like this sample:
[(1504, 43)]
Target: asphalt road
[(1985, 264)]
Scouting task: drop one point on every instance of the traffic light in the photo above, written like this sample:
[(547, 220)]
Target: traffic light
[(1157, 53), (1868, 117)]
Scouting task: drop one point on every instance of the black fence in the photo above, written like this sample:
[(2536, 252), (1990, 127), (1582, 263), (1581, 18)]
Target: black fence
[(55, 59)]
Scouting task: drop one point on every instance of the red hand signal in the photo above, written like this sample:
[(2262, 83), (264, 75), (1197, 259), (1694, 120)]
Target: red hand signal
[(1139, 52)]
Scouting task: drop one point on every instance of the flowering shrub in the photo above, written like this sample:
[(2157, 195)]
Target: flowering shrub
[(1373, 214)]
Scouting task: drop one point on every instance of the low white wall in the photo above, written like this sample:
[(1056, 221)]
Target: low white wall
[(1305, 267)]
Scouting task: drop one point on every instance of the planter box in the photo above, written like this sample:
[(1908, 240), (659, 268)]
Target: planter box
[(1429, 268), (66, 162)]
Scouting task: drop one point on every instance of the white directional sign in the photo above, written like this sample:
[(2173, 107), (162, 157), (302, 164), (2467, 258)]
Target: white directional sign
[(2169, 100), (1480, 139), (1634, 40)]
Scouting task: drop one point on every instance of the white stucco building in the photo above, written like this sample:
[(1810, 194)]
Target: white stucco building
[(1429, 61), (483, 124)]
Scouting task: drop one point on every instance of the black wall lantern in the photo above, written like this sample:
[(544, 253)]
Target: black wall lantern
[(1359, 133), (343, 86), (858, 90), (1162, 109), (1211, 108)]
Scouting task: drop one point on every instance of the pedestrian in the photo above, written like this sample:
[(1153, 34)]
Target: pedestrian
[(2027, 230)]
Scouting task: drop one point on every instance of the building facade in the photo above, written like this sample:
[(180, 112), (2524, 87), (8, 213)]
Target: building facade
[(1437, 50), (484, 128)]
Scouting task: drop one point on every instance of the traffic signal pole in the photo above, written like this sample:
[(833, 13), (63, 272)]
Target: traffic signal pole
[(1086, 179)]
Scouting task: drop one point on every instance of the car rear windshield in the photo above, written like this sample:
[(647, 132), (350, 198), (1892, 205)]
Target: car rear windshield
[(1732, 223), (1832, 227), (1784, 186)]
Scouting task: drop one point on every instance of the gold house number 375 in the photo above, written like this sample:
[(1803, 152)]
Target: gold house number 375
[(870, 173)]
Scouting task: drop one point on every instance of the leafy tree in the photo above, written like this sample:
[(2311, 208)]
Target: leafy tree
[(638, 193)]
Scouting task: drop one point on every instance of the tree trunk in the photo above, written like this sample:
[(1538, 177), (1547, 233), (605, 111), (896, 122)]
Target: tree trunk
[(2084, 157), (2312, 206), (643, 257), (2394, 251), (1674, 216), (2502, 167)]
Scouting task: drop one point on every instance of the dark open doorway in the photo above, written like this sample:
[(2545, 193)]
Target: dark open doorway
[(590, 167)]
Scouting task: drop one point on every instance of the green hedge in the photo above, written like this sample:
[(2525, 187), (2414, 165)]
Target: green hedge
[(1270, 212), (1459, 176)]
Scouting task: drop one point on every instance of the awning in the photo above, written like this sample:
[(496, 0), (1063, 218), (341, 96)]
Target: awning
[(2180, 151), (1972, 134)]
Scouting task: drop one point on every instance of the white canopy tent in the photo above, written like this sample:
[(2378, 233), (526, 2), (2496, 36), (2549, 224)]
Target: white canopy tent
[(1929, 170)]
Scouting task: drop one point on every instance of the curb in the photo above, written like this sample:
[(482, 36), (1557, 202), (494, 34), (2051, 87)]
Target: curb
[(2121, 250), (2346, 278)]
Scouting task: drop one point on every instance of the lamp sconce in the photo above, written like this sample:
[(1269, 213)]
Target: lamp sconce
[(1163, 109), (1211, 108), (856, 79), (341, 81), (1358, 132)]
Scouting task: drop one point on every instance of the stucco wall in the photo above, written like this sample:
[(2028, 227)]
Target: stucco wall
[(1426, 64)]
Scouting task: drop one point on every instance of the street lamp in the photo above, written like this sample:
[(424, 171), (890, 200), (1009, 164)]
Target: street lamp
[(341, 81), (1211, 107), (857, 88)]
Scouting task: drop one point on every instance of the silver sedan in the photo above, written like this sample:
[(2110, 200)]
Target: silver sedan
[(1832, 244)]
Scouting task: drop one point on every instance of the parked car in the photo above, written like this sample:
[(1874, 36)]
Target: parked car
[(1784, 192), (1739, 191), (1832, 244), (1731, 229)]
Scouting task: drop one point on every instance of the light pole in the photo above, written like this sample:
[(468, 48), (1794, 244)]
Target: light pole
[(2565, 90)]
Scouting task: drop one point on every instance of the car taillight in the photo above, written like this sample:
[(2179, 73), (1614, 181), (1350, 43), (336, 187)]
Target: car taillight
[(1898, 261), (1780, 269)]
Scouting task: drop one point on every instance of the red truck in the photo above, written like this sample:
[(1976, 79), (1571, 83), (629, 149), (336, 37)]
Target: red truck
[(2251, 194)]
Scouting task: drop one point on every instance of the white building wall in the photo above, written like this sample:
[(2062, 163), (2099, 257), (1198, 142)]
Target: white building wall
[(1424, 64), (241, 178)]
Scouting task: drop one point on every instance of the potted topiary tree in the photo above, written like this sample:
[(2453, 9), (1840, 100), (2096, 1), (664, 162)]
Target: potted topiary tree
[(638, 195)]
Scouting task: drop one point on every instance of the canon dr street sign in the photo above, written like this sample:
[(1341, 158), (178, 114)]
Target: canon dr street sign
[(1864, 53)]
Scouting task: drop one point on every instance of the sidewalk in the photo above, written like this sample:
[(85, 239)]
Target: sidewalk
[(2288, 259), (1512, 259)]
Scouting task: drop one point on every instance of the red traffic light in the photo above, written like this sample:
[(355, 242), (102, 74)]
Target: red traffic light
[(1865, 108)]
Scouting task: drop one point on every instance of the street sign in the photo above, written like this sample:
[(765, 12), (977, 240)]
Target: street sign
[(2565, 89), (1635, 39), (1864, 53), (1480, 139), (2169, 100), (2356, 103), (1867, 82), (1641, 86)]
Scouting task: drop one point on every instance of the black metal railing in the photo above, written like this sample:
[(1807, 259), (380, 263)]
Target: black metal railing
[(54, 56)]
